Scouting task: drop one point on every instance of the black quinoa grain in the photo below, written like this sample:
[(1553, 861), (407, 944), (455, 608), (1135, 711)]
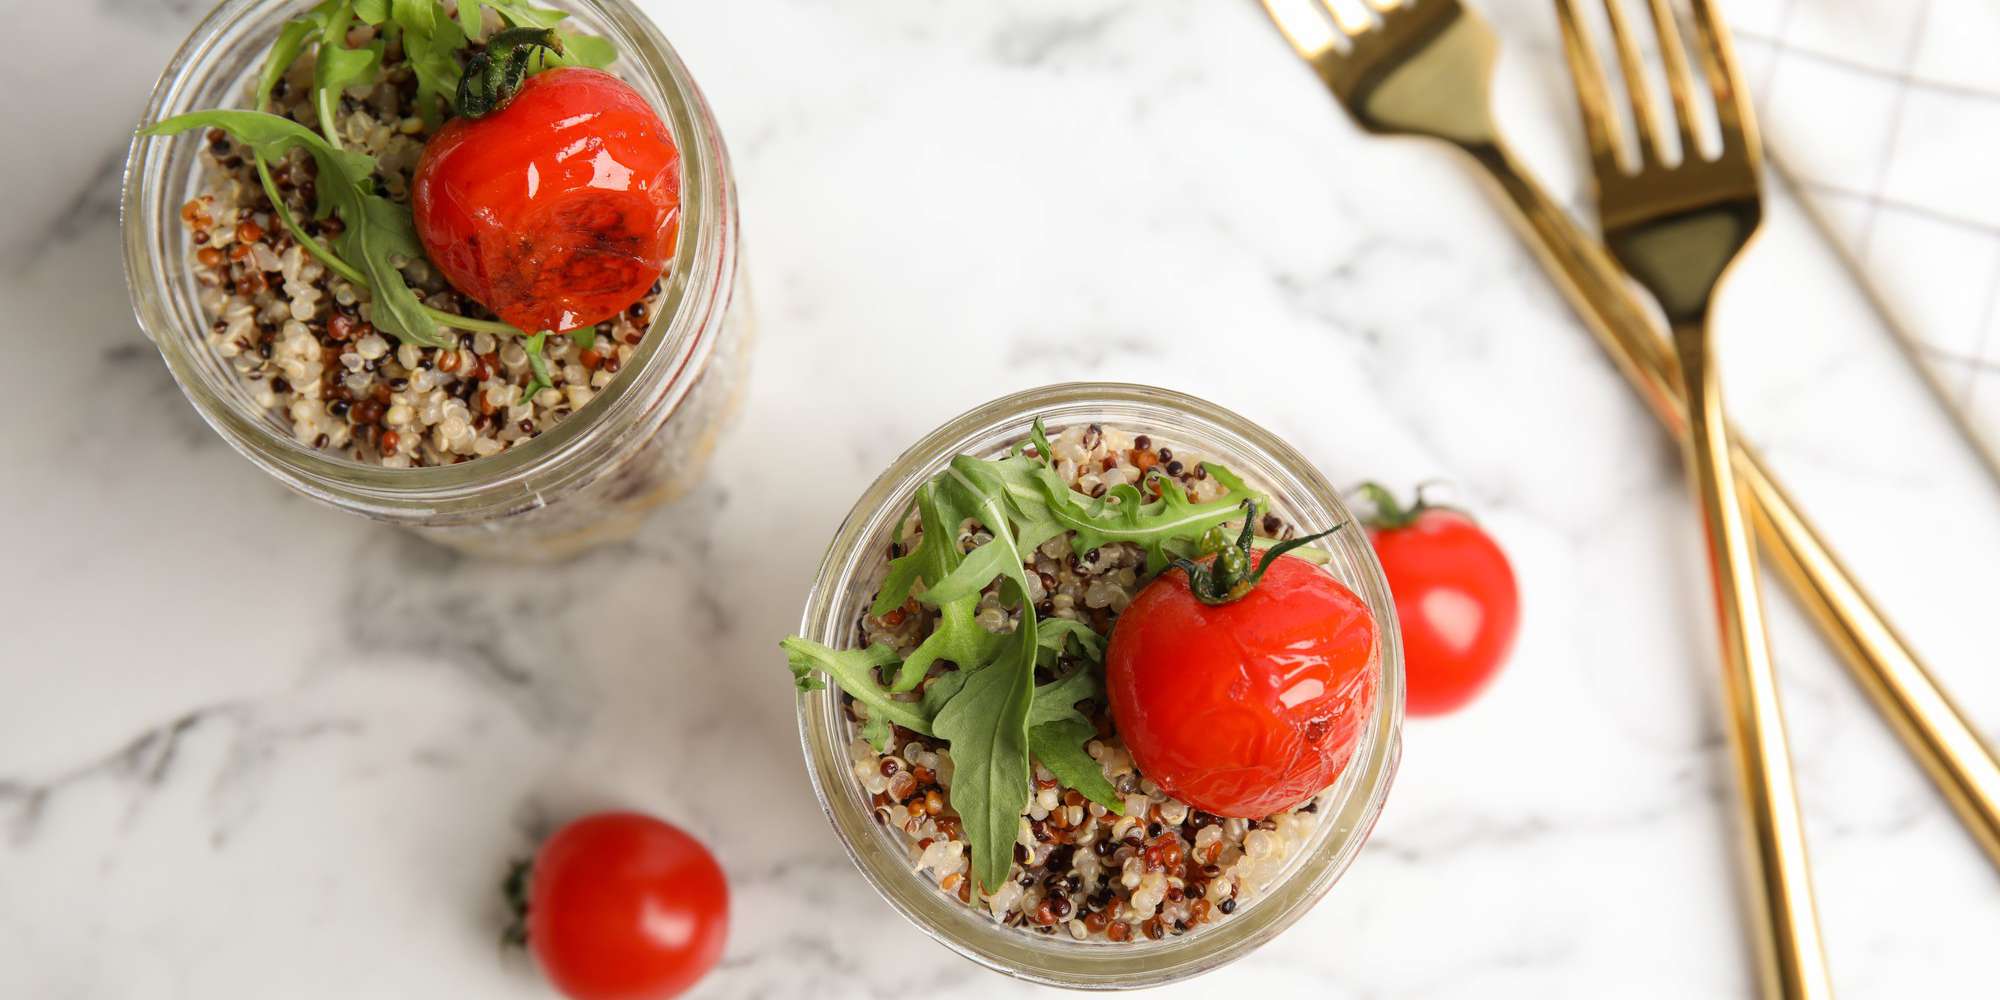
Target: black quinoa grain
[(1061, 858), (1228, 906)]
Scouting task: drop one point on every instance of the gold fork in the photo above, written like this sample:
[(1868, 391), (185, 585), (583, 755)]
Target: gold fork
[(1678, 227), (1424, 70)]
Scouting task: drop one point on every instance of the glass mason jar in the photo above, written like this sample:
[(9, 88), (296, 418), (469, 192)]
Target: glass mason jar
[(643, 440), (853, 570)]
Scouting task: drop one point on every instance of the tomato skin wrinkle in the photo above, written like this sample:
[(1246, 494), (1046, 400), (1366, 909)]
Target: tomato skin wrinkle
[(622, 906), (1247, 708), (558, 211), (1457, 603)]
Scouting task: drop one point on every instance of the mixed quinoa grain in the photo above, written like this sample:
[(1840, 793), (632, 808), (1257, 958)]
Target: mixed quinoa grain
[(300, 336), (1079, 869)]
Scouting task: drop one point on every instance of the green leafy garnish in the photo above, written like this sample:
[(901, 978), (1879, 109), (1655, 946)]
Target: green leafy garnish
[(431, 43), (986, 725), (538, 365), (376, 230), (284, 52), (1057, 732), (1059, 745), (854, 670), (1165, 528), (339, 67), (1055, 633), (955, 636)]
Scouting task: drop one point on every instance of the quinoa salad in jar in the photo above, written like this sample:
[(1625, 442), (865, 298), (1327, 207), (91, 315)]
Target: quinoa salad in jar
[(433, 232), (1150, 801)]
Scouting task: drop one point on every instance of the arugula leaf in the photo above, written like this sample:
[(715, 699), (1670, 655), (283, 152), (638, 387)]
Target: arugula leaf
[(339, 67), (588, 50), (1168, 527), (854, 670), (469, 20), (284, 52), (376, 229), (942, 688), (536, 364), (1059, 745), (985, 722), (522, 15), (1055, 632), (431, 43), (1057, 699), (1057, 734), (956, 636)]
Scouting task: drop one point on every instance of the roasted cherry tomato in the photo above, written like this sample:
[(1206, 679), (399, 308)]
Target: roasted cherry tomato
[(625, 907), (559, 209), (1455, 599), (1242, 692)]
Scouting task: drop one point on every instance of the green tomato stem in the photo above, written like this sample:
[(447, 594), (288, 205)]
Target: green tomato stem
[(1229, 576)]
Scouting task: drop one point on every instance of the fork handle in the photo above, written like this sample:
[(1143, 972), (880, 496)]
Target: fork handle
[(1931, 726), (1794, 957)]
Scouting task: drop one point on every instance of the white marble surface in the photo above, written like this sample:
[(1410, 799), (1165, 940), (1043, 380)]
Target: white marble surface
[(251, 748)]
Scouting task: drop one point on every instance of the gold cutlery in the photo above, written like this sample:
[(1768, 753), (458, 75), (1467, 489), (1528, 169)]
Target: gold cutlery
[(1425, 70), (1678, 226)]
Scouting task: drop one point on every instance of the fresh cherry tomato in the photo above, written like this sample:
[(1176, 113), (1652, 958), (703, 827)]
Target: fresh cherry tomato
[(558, 210), (1455, 599), (1246, 705), (625, 907)]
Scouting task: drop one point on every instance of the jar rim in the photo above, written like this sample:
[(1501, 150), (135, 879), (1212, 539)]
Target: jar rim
[(663, 366), (1348, 812)]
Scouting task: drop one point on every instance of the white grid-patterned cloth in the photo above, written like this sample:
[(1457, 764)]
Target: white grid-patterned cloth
[(1886, 116)]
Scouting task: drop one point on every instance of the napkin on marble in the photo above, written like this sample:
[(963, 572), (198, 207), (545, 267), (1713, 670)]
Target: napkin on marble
[(1886, 116)]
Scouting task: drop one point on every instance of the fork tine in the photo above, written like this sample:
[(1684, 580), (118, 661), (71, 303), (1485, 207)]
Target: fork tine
[(1718, 59), (1680, 80), (1600, 127), (1305, 29), (1636, 92)]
